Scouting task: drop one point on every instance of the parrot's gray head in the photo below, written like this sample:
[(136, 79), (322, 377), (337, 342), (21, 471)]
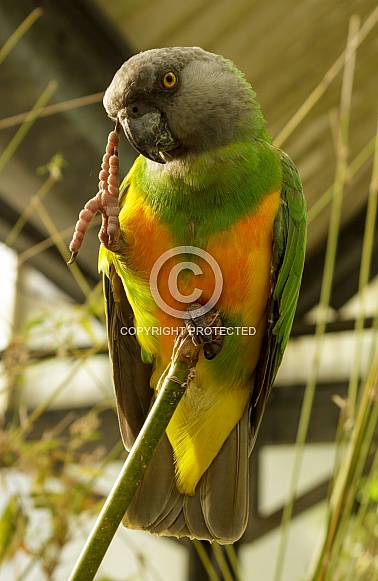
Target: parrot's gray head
[(172, 102)]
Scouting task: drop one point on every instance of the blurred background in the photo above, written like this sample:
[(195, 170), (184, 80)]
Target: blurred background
[(314, 480)]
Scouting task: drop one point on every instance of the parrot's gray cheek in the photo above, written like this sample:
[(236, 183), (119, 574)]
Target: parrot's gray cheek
[(149, 134)]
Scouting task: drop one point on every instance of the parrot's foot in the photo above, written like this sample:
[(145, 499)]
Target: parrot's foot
[(185, 350), (199, 332), (204, 330), (105, 201)]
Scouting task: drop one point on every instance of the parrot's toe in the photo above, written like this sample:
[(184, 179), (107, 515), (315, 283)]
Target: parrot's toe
[(203, 327), (105, 201)]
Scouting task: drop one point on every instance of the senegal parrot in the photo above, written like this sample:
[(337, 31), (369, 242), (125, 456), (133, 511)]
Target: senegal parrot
[(212, 213)]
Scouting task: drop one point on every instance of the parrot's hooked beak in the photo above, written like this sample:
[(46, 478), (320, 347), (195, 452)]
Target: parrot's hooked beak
[(148, 133)]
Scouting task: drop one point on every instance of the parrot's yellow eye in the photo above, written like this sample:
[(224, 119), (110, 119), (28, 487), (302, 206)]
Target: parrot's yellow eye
[(170, 80)]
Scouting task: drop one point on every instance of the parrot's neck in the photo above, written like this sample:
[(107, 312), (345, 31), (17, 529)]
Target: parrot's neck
[(227, 184)]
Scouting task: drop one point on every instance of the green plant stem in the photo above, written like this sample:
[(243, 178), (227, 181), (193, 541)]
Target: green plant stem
[(31, 207), (172, 389), (350, 472), (36, 205), (367, 252), (23, 130), (356, 461), (62, 248), (19, 33), (48, 242), (53, 109), (234, 561), (359, 519), (222, 563), (205, 560), (326, 287), (321, 88), (322, 202)]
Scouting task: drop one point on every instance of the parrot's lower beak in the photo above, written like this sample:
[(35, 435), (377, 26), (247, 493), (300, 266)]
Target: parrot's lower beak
[(149, 134)]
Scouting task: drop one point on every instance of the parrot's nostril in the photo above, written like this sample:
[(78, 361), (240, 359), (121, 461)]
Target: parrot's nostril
[(135, 109)]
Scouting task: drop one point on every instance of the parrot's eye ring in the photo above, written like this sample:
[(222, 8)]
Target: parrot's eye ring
[(170, 80)]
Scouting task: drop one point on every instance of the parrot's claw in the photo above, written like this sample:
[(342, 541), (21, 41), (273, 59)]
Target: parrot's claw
[(185, 350), (73, 258), (110, 233), (204, 330), (199, 332)]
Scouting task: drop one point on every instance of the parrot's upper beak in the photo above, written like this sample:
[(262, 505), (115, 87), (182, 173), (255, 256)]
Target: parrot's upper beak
[(149, 134)]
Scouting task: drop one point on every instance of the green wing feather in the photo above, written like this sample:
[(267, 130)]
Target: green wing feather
[(289, 254), (289, 245)]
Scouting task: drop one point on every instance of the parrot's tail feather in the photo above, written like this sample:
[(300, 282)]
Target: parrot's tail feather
[(218, 511)]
